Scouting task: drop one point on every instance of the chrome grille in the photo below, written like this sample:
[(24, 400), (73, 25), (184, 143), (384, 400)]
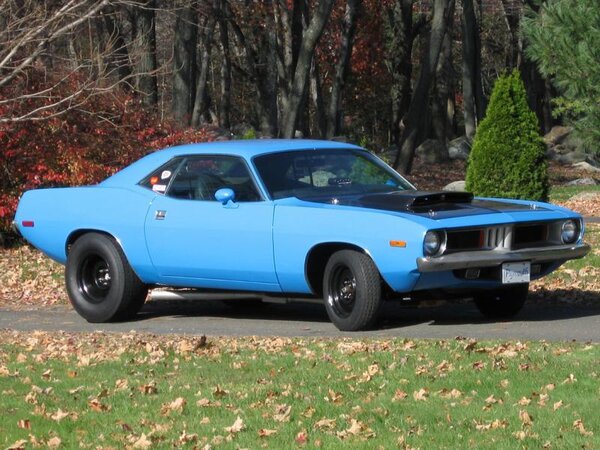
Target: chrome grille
[(498, 237)]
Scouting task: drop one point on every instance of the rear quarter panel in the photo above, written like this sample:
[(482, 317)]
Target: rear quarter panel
[(60, 212)]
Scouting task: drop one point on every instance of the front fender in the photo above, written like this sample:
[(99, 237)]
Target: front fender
[(298, 229)]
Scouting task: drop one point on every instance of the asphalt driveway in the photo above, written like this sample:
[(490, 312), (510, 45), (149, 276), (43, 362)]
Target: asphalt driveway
[(214, 318)]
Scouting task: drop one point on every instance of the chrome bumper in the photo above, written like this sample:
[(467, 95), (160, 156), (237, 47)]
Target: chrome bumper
[(490, 258)]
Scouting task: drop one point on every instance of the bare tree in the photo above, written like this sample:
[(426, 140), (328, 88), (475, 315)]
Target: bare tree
[(473, 97), (443, 11), (35, 73), (334, 113), (144, 44), (294, 72), (184, 62), (401, 32)]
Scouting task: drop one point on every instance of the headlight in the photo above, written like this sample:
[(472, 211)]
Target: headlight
[(569, 231), (433, 243)]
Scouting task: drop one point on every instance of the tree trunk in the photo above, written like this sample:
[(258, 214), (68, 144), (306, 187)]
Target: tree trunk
[(442, 111), (184, 61), (299, 79), (225, 81), (474, 101), (334, 114), (201, 100), (119, 56), (443, 11), (400, 37), (145, 51), (316, 94)]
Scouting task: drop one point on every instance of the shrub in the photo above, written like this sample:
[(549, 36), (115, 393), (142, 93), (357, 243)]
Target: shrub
[(508, 155), (78, 148)]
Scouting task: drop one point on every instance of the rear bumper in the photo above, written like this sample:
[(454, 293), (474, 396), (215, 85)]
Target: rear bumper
[(491, 258)]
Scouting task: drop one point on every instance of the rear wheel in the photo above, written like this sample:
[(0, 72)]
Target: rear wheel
[(101, 285), (352, 290), (502, 303)]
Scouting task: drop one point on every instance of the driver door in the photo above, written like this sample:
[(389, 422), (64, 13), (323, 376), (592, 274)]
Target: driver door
[(194, 240)]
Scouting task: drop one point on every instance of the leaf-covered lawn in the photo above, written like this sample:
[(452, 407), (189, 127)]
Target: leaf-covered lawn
[(143, 391)]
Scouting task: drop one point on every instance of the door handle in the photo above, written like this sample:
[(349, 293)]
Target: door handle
[(160, 214)]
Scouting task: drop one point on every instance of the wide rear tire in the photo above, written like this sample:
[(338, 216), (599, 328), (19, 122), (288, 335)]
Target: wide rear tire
[(502, 303), (352, 290), (101, 285)]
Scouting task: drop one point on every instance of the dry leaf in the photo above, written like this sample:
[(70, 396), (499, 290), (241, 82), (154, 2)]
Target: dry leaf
[(578, 425), (301, 437), (421, 394), (237, 426), (19, 445), (142, 442), (54, 442), (525, 418), (557, 405), (263, 432), (176, 405), (325, 424), (399, 395), (24, 424), (282, 413)]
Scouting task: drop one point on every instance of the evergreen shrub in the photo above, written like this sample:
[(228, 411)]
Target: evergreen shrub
[(508, 157)]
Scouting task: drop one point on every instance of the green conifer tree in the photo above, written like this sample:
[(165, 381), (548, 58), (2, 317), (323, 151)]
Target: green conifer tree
[(508, 155)]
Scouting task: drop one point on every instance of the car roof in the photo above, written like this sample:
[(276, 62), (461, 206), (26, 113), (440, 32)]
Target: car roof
[(246, 149)]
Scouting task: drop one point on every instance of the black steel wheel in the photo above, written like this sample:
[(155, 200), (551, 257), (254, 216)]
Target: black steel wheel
[(101, 285), (352, 290), (502, 303)]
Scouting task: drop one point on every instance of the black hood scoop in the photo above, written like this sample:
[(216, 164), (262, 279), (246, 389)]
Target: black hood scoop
[(415, 200)]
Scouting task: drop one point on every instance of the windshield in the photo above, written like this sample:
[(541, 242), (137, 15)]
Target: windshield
[(326, 173)]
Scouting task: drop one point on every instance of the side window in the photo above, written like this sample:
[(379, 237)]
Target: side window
[(159, 180), (201, 176)]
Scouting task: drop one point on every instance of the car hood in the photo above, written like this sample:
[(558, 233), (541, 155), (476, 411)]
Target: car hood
[(435, 205)]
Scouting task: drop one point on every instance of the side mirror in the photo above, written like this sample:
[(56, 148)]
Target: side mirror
[(225, 195)]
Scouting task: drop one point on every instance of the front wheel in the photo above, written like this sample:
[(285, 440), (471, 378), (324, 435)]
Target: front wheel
[(352, 290), (101, 285), (502, 303)]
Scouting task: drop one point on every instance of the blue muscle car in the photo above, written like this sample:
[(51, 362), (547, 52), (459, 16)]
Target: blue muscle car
[(291, 218)]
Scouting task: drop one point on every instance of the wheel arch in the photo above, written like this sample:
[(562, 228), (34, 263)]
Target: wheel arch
[(316, 260), (74, 235)]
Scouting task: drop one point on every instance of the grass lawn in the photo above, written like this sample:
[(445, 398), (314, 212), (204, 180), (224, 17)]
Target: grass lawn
[(140, 391), (563, 193)]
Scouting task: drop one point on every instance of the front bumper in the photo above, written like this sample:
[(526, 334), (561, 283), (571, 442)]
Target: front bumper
[(491, 258)]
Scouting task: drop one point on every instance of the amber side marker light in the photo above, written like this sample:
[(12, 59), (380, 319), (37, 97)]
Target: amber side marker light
[(27, 223), (401, 244)]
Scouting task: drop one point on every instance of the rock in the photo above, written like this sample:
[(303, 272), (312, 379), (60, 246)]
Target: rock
[(571, 158), (584, 165), (455, 186), (582, 182), (432, 151), (389, 155), (298, 134), (340, 139), (586, 196), (557, 135), (240, 129), (459, 148)]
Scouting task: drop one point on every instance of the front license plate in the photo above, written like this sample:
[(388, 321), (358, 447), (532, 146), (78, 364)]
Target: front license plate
[(519, 272)]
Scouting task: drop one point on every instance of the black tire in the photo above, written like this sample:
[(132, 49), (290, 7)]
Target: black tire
[(352, 290), (502, 303), (101, 285)]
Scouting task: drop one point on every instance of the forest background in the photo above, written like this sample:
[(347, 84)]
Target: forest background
[(89, 86)]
